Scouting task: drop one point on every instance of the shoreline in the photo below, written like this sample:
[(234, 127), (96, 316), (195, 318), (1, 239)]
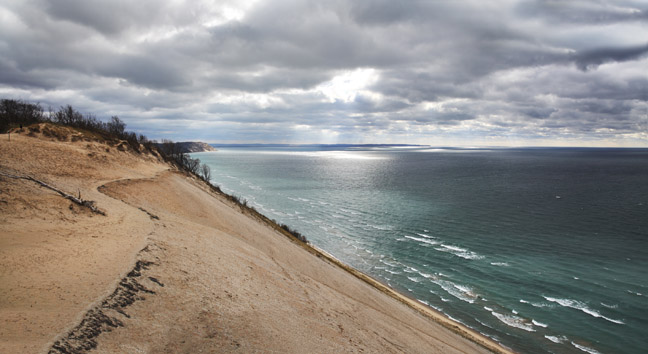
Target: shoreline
[(435, 315), (430, 313)]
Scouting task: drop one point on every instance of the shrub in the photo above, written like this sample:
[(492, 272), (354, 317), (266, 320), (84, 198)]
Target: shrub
[(296, 234)]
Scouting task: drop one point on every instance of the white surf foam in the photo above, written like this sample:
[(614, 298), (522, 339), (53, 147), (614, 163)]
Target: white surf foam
[(557, 339), (410, 270), (388, 263), (536, 304), (585, 349), (461, 292), (539, 324), (455, 248), (483, 324), (459, 252), (423, 240), (581, 306), (455, 319), (500, 264), (392, 272), (514, 321)]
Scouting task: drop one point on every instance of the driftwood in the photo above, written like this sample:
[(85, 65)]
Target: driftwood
[(85, 203)]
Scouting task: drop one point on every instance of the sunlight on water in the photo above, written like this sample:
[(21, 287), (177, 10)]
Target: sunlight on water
[(326, 154)]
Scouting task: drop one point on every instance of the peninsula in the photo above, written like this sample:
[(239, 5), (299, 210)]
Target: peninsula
[(193, 146)]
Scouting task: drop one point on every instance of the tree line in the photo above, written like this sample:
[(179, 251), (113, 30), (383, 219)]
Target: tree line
[(19, 113)]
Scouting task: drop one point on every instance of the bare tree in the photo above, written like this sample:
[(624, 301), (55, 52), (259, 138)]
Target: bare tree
[(68, 116), (205, 172), (192, 165), (116, 126)]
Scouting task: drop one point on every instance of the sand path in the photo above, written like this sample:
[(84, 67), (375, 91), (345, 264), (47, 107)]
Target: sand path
[(56, 259)]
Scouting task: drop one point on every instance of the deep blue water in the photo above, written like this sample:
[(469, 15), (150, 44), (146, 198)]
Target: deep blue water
[(544, 250)]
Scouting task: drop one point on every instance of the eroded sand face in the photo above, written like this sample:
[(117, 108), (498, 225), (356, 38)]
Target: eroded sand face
[(211, 278)]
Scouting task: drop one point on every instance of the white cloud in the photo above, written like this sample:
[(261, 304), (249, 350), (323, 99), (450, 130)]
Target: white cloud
[(343, 71), (347, 85)]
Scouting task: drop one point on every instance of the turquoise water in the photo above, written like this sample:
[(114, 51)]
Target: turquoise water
[(543, 250)]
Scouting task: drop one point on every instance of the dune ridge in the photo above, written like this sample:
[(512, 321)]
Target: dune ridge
[(174, 266)]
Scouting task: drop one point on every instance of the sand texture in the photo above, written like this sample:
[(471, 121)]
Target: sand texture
[(174, 267)]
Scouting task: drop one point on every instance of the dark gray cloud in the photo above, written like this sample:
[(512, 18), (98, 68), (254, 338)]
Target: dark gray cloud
[(584, 11), (590, 59), (115, 17), (146, 71), (269, 80), (360, 71)]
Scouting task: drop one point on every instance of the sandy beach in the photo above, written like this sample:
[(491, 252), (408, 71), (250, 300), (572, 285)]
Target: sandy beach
[(174, 267)]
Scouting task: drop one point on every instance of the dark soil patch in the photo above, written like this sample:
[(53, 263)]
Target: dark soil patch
[(110, 314)]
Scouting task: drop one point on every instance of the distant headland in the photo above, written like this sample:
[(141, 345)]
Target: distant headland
[(188, 147)]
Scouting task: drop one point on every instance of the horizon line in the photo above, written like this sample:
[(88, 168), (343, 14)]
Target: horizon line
[(474, 147)]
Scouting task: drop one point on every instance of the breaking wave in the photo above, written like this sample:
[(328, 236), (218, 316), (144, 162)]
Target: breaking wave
[(514, 321), (461, 292), (557, 339), (585, 349), (423, 240), (459, 252), (581, 306)]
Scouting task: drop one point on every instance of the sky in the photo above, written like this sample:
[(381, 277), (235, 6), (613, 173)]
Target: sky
[(441, 73)]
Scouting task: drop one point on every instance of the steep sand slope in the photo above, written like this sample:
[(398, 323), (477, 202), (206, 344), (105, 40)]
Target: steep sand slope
[(173, 268)]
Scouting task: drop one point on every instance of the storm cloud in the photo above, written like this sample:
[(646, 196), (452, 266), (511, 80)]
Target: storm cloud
[(366, 71)]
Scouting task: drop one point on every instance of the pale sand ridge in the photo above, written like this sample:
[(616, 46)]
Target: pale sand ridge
[(211, 277)]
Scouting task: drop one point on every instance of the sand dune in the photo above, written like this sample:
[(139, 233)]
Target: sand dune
[(174, 267)]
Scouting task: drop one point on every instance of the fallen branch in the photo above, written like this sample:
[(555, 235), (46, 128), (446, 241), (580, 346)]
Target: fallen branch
[(85, 203)]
